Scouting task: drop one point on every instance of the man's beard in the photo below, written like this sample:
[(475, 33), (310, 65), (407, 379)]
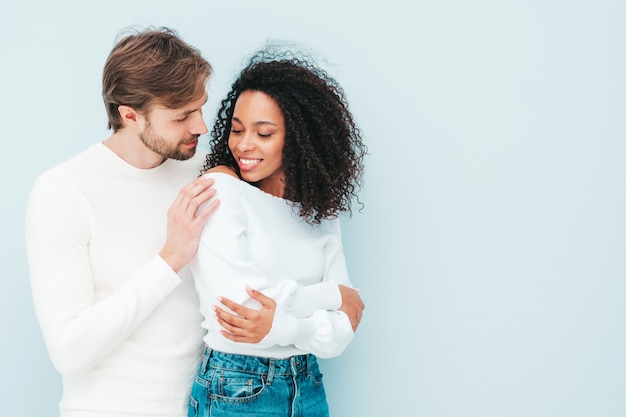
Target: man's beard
[(160, 146)]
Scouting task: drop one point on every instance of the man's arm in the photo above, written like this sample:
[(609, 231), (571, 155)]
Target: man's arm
[(80, 331)]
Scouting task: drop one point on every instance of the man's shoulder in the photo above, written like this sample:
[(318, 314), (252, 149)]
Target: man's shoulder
[(74, 166)]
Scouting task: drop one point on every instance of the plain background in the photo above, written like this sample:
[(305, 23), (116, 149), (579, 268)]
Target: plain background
[(490, 252)]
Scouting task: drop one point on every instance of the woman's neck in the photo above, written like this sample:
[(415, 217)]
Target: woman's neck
[(273, 186)]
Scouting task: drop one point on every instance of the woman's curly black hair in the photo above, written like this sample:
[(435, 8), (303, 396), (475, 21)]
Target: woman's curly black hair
[(323, 151)]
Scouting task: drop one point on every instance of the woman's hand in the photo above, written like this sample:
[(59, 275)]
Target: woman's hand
[(352, 305), (248, 325)]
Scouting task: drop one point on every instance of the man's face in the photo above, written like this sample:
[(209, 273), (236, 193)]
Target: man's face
[(173, 133)]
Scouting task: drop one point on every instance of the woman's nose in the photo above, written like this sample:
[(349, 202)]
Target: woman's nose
[(246, 143)]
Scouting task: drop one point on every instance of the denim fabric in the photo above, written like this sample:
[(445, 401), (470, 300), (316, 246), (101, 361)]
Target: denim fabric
[(229, 385)]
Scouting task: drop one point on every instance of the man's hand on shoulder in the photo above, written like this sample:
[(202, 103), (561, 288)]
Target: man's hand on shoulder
[(185, 222)]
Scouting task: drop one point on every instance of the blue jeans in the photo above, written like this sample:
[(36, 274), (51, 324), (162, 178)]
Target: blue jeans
[(237, 385)]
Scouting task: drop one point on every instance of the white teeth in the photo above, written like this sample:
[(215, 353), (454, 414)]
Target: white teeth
[(249, 161)]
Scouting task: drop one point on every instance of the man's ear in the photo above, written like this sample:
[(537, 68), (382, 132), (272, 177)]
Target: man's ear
[(128, 115)]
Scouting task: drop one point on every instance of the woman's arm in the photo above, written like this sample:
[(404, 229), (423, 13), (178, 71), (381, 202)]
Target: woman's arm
[(303, 316)]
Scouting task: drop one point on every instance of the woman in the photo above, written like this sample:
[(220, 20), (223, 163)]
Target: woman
[(270, 271)]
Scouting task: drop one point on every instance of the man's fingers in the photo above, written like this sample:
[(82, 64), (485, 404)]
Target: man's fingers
[(193, 204), (202, 195), (195, 188), (199, 185), (191, 199), (207, 211), (199, 189)]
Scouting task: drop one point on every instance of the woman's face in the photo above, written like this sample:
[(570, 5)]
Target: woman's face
[(256, 140)]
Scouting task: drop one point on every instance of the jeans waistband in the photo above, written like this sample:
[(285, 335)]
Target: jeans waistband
[(269, 367)]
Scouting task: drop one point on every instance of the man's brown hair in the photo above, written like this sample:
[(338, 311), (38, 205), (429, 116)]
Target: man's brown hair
[(154, 66)]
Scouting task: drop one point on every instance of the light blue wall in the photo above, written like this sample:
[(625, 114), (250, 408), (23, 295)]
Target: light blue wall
[(491, 250)]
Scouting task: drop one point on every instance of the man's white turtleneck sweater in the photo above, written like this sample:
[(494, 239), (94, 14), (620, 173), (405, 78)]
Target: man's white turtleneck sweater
[(121, 326)]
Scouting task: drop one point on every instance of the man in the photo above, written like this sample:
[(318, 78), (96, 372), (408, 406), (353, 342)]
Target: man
[(112, 293)]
